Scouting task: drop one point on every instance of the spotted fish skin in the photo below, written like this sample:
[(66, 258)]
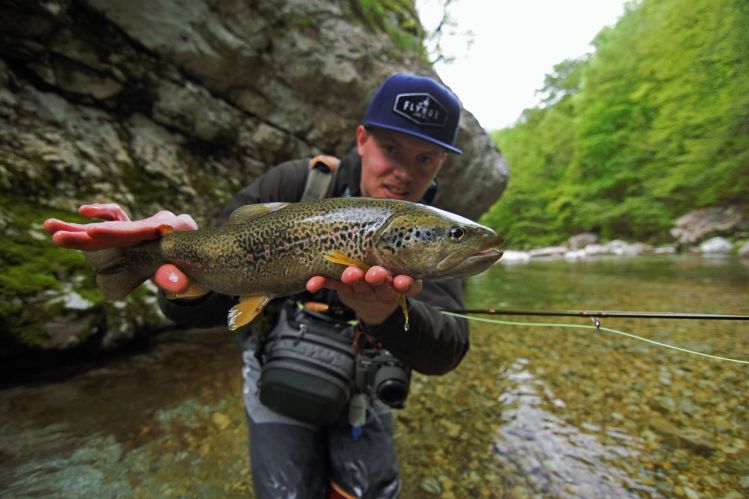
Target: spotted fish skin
[(274, 249)]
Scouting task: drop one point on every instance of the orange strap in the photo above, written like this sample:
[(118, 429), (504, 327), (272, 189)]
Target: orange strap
[(330, 161), (336, 492)]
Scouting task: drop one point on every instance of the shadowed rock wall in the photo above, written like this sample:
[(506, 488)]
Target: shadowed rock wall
[(174, 104)]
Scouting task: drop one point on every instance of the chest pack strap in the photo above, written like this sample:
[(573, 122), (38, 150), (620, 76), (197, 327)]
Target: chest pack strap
[(322, 170)]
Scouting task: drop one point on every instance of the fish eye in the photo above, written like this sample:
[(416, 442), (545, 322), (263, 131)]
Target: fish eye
[(457, 234)]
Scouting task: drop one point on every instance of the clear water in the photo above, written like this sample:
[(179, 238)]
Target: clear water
[(531, 411)]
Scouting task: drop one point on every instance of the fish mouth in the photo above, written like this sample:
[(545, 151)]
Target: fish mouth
[(474, 263), (492, 254)]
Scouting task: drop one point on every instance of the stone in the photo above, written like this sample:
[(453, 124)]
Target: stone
[(744, 250), (580, 241), (716, 246), (548, 251), (698, 224)]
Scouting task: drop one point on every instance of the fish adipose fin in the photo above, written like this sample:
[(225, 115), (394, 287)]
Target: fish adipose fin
[(246, 310), (342, 259), (250, 211)]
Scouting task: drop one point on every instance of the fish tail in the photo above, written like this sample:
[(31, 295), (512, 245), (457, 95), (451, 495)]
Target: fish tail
[(118, 271)]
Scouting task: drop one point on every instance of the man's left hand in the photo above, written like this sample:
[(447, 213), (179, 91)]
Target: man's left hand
[(374, 295)]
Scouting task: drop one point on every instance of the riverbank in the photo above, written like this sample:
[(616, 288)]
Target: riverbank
[(715, 246)]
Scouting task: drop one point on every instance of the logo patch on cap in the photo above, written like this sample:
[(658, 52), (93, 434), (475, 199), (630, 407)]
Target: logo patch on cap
[(422, 109)]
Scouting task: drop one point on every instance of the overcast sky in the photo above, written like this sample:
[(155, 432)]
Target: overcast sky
[(515, 43)]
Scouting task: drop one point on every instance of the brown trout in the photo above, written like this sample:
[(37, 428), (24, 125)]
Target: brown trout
[(269, 250)]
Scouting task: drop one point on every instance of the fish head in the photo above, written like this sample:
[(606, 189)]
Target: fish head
[(429, 243)]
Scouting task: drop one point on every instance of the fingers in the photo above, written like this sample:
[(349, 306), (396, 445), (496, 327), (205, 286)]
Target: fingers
[(117, 232), (316, 283), (53, 225), (376, 284), (79, 240), (171, 279), (108, 211)]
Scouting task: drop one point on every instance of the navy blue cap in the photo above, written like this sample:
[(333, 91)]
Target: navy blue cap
[(417, 106)]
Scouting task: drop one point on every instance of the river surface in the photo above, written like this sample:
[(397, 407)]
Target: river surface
[(531, 412)]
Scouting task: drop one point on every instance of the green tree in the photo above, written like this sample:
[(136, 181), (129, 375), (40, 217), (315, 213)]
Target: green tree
[(654, 124)]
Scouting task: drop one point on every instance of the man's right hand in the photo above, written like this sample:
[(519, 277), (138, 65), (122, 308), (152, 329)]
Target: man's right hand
[(119, 231)]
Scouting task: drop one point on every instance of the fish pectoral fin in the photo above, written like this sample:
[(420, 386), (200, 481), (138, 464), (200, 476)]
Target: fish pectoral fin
[(404, 307), (195, 290), (246, 310), (250, 211), (343, 259)]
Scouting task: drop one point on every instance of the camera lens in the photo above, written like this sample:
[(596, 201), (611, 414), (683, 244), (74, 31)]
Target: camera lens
[(391, 385)]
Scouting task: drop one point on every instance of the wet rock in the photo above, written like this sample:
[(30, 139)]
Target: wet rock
[(685, 438), (431, 485), (744, 250)]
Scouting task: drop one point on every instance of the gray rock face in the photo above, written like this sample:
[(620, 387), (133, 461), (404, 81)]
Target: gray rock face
[(696, 225), (580, 241), (172, 104)]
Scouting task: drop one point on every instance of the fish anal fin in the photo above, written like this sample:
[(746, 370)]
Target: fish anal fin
[(250, 211), (343, 259), (246, 310)]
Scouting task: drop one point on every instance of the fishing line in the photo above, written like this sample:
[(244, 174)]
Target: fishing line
[(597, 327)]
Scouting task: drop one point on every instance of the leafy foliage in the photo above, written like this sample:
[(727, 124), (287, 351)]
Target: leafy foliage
[(397, 18), (653, 124)]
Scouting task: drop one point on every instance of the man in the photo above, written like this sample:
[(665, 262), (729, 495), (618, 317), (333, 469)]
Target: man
[(403, 141)]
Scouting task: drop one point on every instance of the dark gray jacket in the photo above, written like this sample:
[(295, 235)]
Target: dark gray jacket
[(435, 343)]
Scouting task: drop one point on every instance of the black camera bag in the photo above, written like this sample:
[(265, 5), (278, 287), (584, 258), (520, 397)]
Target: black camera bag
[(308, 369)]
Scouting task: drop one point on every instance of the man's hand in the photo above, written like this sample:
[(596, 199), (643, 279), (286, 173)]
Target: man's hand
[(374, 295), (118, 231)]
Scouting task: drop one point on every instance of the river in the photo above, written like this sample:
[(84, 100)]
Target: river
[(531, 412)]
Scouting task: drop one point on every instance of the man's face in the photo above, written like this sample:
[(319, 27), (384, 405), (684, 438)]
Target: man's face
[(395, 165)]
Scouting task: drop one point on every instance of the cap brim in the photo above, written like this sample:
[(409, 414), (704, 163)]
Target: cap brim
[(412, 133)]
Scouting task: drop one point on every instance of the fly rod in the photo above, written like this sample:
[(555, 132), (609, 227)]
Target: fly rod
[(600, 314)]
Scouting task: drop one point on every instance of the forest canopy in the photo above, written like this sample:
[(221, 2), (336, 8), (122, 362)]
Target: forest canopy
[(651, 125)]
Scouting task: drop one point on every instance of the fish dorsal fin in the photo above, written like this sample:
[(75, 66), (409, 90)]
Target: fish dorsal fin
[(246, 310), (250, 211)]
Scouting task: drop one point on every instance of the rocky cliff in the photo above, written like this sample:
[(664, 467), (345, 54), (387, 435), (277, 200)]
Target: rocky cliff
[(177, 104)]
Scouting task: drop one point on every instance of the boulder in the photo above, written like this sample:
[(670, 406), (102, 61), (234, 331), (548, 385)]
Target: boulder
[(696, 225), (716, 246), (580, 241)]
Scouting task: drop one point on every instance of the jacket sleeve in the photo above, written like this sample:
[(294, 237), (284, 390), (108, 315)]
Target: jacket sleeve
[(435, 343), (284, 182)]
